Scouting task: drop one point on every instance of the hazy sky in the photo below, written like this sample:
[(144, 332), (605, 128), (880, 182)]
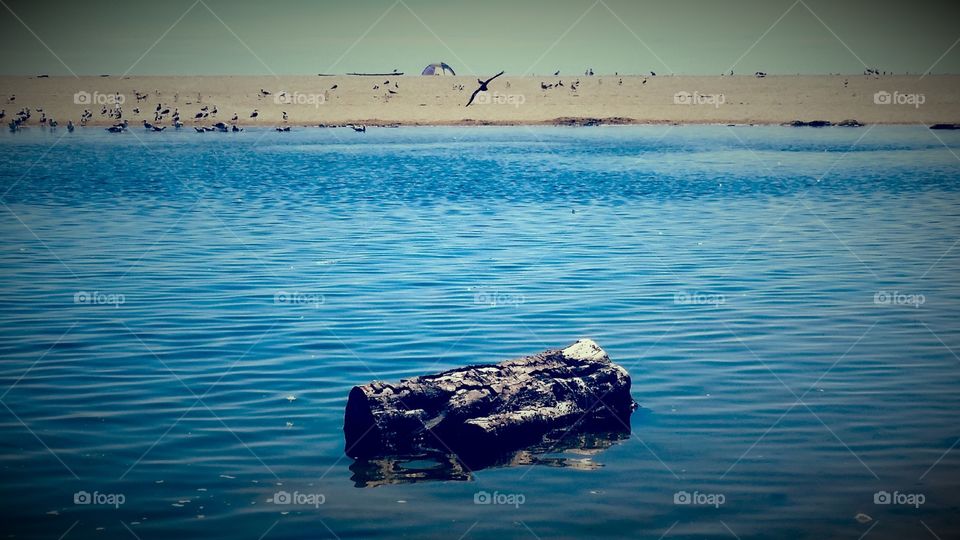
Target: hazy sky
[(476, 36)]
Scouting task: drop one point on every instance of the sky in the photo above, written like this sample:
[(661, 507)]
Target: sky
[(278, 37)]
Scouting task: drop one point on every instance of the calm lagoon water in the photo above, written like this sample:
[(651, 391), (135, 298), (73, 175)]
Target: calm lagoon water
[(183, 316)]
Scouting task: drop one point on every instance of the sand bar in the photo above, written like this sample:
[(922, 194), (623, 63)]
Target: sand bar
[(419, 100)]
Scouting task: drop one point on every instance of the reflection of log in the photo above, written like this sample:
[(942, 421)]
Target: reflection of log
[(565, 449), (489, 408)]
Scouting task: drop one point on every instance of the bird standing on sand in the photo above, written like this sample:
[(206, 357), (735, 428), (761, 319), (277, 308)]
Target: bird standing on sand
[(284, 116), (235, 117), (254, 114), (482, 88)]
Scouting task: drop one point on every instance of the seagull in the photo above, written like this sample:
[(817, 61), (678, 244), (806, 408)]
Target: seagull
[(115, 129), (556, 73), (334, 87), (70, 127), (254, 114), (147, 125), (235, 117), (284, 116), (264, 92), (359, 129), (3, 114), (482, 88)]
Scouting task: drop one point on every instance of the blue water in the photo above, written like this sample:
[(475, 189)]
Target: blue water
[(183, 316)]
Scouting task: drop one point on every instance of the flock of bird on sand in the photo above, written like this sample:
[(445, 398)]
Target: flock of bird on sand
[(163, 113)]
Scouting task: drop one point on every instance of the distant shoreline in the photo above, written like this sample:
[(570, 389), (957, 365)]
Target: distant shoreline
[(389, 100)]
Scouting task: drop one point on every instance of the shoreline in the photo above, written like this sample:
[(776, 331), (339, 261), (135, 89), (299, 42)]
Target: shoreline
[(387, 100), (569, 122)]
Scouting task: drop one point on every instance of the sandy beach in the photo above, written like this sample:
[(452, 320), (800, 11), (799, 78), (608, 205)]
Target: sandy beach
[(423, 100)]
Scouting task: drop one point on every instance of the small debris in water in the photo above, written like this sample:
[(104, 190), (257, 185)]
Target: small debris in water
[(863, 518)]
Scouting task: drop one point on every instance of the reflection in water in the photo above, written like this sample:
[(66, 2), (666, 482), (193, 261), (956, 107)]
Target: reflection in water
[(565, 450)]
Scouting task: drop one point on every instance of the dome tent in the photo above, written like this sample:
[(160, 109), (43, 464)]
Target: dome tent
[(438, 69)]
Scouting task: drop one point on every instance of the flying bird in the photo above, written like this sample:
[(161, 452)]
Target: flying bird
[(482, 88)]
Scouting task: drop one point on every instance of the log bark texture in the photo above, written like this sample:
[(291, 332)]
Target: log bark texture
[(489, 408)]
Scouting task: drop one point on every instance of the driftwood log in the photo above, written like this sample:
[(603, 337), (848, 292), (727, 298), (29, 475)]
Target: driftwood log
[(490, 408)]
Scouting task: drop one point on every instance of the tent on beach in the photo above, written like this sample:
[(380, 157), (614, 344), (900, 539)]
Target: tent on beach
[(438, 69)]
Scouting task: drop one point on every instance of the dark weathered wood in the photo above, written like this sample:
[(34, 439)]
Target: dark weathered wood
[(487, 408)]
